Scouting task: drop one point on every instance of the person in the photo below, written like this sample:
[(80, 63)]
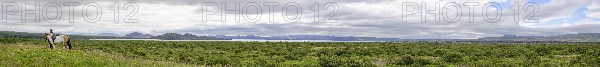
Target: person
[(52, 38)]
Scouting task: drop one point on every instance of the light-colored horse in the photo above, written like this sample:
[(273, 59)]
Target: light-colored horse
[(56, 38)]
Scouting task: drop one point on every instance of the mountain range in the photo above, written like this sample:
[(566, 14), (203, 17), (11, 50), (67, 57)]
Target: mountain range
[(580, 37)]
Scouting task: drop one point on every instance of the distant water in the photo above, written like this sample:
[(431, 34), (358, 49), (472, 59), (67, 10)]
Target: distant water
[(244, 40)]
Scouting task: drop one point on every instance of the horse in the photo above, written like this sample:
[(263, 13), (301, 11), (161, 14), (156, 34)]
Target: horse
[(57, 38)]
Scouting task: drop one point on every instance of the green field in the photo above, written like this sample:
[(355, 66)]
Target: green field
[(33, 52)]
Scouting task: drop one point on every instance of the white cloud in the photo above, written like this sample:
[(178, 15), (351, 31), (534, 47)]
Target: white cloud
[(594, 9), (379, 18)]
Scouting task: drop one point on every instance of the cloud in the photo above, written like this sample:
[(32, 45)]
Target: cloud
[(594, 9), (376, 18)]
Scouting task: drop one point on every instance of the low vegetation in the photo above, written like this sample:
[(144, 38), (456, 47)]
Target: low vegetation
[(326, 54), (27, 54)]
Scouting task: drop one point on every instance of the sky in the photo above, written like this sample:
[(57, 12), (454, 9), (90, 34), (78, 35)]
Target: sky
[(407, 19)]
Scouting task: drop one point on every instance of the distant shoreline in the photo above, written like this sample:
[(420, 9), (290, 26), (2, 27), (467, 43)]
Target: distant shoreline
[(241, 40)]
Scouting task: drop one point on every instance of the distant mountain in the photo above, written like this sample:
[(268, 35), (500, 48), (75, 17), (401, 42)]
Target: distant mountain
[(12, 34), (580, 37), (568, 37), (307, 37), (109, 34), (577, 37), (134, 35), (186, 36), (239, 37), (138, 35)]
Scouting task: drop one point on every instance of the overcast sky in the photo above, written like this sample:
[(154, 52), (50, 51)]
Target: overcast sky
[(375, 18)]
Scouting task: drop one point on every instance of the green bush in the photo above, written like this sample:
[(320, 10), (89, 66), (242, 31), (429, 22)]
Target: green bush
[(329, 54)]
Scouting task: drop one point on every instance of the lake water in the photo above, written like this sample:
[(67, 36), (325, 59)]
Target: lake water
[(244, 40)]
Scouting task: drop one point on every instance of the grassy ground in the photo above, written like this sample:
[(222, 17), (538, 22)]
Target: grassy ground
[(28, 55), (32, 52)]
